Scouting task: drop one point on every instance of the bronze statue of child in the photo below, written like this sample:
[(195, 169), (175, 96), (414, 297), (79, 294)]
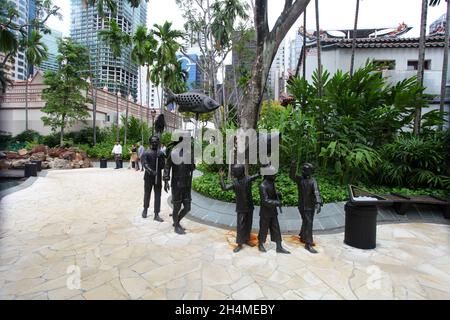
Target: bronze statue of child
[(242, 187)]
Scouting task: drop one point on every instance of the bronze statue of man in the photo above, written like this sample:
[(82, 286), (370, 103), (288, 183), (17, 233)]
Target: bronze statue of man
[(270, 201), (242, 187), (181, 184), (153, 162), (309, 201)]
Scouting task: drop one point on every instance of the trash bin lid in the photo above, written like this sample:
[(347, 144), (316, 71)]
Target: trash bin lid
[(360, 197)]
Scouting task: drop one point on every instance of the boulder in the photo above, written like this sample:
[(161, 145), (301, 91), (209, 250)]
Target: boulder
[(12, 155), (38, 149), (19, 163), (67, 155), (22, 152), (78, 157), (87, 163), (4, 164), (48, 158), (60, 164), (38, 156), (55, 152), (45, 165)]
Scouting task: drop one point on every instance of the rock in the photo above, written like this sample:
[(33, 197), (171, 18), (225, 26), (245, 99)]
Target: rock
[(5, 164), (2, 155), (38, 149), (12, 155), (48, 158), (55, 152), (23, 152), (19, 164), (38, 156), (87, 163), (45, 165), (67, 155), (60, 164), (78, 157)]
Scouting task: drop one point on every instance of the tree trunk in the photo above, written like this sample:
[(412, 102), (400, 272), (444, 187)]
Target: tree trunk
[(355, 29), (267, 44), (61, 137), (444, 67), (319, 51), (420, 71)]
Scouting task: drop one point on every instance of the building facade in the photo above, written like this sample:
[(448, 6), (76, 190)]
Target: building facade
[(18, 67), (51, 41), (12, 109), (116, 74)]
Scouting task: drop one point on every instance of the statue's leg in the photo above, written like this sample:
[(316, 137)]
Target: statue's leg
[(309, 216), (147, 195), (302, 229), (176, 201), (275, 235), (241, 228), (262, 235), (157, 203)]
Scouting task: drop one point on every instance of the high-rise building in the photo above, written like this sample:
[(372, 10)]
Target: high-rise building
[(194, 75), (51, 41), (117, 74), (277, 73), (18, 66)]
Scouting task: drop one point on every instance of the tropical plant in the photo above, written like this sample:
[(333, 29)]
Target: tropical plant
[(414, 161), (65, 103)]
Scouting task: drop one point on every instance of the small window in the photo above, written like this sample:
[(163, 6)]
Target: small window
[(414, 65), (385, 64)]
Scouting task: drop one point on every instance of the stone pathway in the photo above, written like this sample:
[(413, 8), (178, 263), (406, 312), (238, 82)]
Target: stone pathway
[(79, 235)]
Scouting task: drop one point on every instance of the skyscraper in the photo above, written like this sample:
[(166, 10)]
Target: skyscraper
[(51, 41), (116, 74), (18, 67)]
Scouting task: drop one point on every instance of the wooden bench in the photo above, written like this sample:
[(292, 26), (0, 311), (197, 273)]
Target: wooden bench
[(402, 203)]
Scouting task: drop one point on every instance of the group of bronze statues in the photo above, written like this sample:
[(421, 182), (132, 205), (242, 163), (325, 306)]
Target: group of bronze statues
[(159, 169)]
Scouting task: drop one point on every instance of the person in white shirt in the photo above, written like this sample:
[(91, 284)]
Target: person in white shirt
[(117, 152), (141, 151)]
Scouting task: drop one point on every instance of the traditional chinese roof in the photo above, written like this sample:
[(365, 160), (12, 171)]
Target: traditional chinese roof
[(329, 43)]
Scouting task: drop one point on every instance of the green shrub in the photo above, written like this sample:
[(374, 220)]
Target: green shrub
[(5, 140), (28, 136)]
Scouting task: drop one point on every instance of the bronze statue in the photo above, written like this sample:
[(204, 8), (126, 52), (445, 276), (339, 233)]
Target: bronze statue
[(242, 186), (153, 162), (181, 184), (270, 202), (309, 201)]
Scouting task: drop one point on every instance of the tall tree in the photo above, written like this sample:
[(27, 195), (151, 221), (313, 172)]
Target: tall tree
[(35, 52), (65, 103), (116, 39), (165, 57), (421, 61), (267, 44), (445, 58), (355, 31)]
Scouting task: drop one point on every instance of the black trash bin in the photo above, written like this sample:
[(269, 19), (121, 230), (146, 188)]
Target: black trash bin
[(38, 164), (30, 170), (360, 225), (103, 163)]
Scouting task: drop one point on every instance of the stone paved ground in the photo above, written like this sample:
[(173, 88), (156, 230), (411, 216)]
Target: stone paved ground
[(88, 222)]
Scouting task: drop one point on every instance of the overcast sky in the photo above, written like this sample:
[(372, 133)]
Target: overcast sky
[(334, 14)]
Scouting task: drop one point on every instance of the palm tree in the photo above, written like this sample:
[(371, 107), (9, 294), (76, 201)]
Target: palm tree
[(116, 39), (445, 58), (355, 30), (165, 53), (421, 61), (35, 52)]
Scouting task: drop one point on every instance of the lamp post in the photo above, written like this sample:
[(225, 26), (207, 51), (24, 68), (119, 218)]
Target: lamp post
[(28, 81), (117, 109), (126, 118), (153, 113)]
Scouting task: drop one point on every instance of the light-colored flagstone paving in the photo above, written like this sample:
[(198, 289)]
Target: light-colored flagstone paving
[(79, 235)]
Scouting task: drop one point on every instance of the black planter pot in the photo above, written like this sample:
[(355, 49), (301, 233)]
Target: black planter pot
[(30, 170), (38, 164), (103, 163)]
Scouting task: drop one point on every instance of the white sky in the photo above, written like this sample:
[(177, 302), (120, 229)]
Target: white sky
[(334, 14)]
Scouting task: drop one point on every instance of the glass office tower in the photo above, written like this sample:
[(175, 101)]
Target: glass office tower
[(119, 74)]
